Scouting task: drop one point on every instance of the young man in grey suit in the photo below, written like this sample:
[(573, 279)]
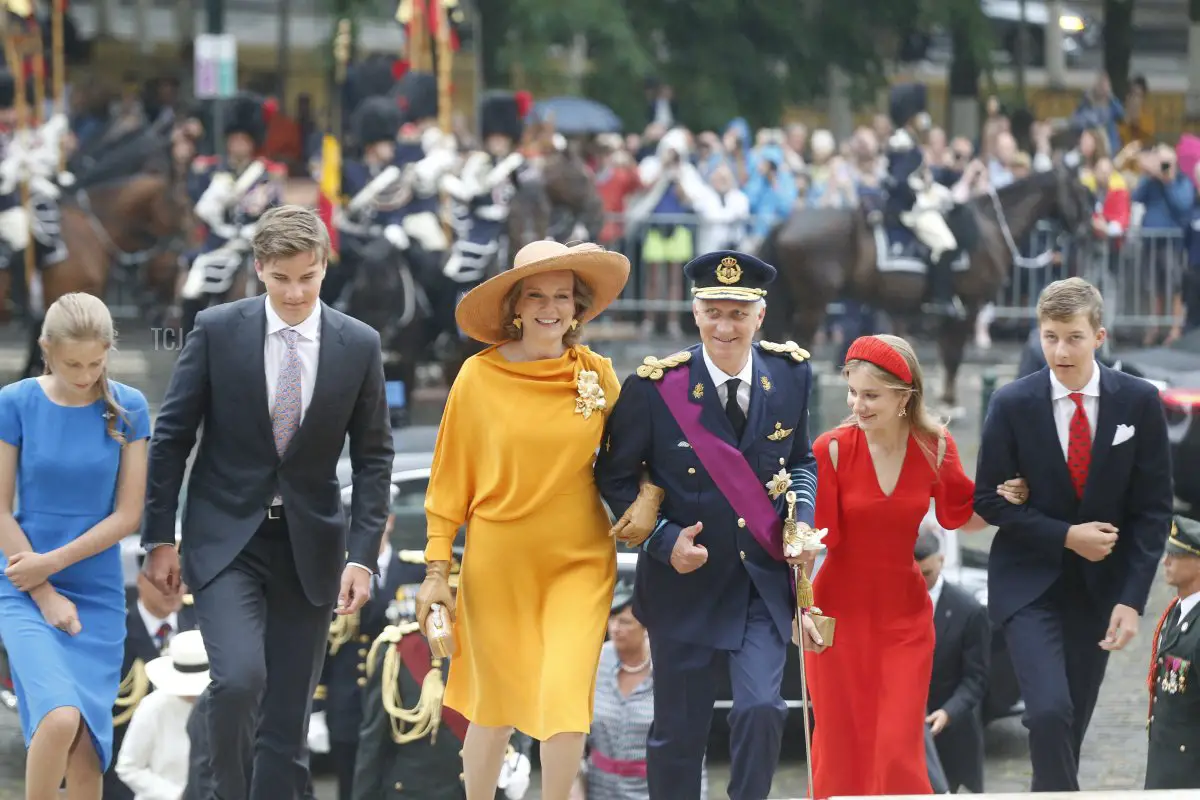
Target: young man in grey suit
[(278, 383)]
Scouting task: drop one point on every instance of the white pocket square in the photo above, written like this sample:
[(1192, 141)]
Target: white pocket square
[(1124, 433)]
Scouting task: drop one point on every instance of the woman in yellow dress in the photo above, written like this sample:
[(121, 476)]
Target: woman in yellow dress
[(513, 462)]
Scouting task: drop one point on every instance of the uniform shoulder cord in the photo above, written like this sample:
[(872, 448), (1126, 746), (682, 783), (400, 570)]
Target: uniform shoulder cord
[(1152, 676), (425, 717), (134, 687), (342, 630)]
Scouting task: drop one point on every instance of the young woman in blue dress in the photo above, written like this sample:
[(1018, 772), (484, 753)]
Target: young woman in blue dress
[(73, 455)]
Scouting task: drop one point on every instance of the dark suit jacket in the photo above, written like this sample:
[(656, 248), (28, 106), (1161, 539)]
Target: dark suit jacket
[(961, 665), (1129, 486), (709, 606), (139, 646), (220, 381)]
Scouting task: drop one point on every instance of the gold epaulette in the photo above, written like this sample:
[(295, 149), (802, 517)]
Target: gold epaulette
[(411, 556), (342, 630), (654, 368), (788, 348), (134, 687)]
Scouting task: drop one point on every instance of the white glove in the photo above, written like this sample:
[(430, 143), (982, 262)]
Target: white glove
[(503, 170), (66, 179), (514, 776), (398, 238), (247, 232), (318, 733)]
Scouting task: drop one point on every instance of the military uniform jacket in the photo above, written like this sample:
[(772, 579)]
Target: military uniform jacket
[(230, 201), (1173, 756), (10, 175), (388, 196), (430, 767), (409, 151), (339, 693), (904, 159), (709, 606)]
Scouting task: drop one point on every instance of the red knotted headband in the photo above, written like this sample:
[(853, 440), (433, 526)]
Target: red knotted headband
[(881, 354)]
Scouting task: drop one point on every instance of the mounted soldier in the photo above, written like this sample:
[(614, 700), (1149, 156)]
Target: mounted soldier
[(14, 218), (426, 153), (375, 190), (239, 190), (481, 195), (917, 202)]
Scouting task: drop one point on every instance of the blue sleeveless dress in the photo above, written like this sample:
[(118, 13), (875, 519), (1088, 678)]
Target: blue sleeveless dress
[(66, 483)]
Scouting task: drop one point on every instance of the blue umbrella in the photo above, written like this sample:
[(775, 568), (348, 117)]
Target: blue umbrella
[(577, 116)]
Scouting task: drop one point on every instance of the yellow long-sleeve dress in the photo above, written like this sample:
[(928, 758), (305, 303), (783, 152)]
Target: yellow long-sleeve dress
[(513, 461)]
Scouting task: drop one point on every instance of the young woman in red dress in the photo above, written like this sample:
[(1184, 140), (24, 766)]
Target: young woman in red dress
[(876, 475)]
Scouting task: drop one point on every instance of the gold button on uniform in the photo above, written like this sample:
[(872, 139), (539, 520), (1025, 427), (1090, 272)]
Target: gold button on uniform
[(362, 667), (364, 638), (742, 553), (741, 522), (362, 651), (782, 462), (361, 681), (691, 470), (398, 786)]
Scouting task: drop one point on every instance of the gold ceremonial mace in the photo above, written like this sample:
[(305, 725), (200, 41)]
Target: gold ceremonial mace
[(445, 67), (804, 599)]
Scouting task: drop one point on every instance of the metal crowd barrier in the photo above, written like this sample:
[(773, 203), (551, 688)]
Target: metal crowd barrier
[(1140, 275)]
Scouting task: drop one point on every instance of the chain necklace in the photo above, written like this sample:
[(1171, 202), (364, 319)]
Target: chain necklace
[(635, 668)]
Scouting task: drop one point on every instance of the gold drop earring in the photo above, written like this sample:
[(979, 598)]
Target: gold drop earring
[(517, 323), (574, 324)]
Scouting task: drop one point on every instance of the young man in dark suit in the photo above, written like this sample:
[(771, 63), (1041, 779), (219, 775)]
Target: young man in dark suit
[(1070, 570), (278, 383), (961, 663)]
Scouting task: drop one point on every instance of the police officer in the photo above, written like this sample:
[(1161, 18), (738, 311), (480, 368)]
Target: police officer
[(338, 703), (915, 200), (722, 428), (239, 189), (375, 192), (151, 621), (1173, 756), (403, 699), (481, 195)]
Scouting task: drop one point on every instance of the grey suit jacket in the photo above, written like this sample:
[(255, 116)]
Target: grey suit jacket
[(220, 381)]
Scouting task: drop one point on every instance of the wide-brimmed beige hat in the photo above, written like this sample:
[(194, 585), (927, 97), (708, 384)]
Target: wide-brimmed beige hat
[(605, 272), (183, 671)]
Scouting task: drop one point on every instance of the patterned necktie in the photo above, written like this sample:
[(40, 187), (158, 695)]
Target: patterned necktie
[(1079, 445), (285, 417), (164, 633), (733, 409)]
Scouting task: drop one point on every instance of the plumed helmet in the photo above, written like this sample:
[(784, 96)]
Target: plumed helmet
[(372, 77), (417, 95), (376, 120), (244, 114), (905, 102), (500, 113)]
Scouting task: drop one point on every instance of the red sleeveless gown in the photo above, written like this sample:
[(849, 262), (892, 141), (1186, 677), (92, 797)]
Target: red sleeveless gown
[(870, 688)]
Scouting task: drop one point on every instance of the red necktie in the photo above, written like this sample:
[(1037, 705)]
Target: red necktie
[(1079, 445), (164, 632)]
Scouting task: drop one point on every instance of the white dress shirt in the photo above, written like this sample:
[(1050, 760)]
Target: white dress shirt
[(153, 761), (1064, 406), (935, 593), (719, 377), (1186, 605), (153, 623)]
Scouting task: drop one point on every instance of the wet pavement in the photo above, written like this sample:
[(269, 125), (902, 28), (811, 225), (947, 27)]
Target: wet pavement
[(1114, 753)]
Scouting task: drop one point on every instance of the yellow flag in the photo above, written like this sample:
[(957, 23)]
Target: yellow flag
[(331, 188)]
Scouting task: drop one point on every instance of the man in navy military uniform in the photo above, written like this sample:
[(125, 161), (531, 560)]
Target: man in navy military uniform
[(1173, 757), (722, 428), (915, 200)]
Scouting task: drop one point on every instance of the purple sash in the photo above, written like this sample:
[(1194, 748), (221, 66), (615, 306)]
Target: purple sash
[(726, 465)]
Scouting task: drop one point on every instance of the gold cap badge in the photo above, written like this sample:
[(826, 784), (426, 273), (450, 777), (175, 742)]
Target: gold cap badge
[(729, 271)]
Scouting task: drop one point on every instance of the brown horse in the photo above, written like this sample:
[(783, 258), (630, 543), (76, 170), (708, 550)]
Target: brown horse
[(824, 255), (135, 224)]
